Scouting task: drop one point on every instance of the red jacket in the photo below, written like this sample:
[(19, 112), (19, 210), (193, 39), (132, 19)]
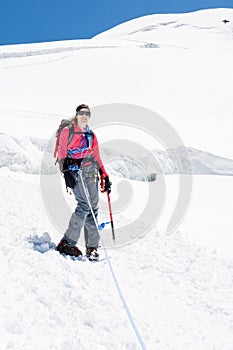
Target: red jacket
[(93, 150)]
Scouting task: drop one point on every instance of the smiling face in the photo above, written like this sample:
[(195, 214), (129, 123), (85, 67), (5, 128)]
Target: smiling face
[(83, 117)]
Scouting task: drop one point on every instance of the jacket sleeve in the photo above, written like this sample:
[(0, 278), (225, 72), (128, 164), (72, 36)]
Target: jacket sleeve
[(63, 141), (96, 154)]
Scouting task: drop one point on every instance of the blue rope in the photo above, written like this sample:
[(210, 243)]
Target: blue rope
[(74, 151), (133, 324), (73, 167), (79, 150)]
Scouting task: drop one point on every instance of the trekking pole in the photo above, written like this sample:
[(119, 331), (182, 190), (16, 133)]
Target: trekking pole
[(109, 206), (111, 219)]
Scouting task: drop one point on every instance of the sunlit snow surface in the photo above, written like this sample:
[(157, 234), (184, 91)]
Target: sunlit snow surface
[(179, 286)]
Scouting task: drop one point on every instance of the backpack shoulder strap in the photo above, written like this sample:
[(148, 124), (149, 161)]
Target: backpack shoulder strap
[(71, 133), (85, 133)]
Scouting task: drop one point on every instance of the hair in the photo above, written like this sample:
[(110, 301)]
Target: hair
[(73, 120)]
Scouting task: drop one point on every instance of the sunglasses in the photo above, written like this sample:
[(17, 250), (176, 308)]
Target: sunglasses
[(87, 113)]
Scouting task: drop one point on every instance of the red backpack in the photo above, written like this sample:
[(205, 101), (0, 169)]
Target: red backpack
[(64, 123)]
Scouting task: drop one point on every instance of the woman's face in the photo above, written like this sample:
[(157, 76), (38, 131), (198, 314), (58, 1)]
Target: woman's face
[(83, 117)]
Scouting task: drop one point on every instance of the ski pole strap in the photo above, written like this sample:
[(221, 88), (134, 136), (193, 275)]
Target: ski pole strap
[(102, 225)]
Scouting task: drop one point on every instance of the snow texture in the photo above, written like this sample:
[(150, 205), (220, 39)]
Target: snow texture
[(178, 287)]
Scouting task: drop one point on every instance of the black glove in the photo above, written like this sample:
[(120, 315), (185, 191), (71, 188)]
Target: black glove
[(69, 179), (61, 164), (107, 185)]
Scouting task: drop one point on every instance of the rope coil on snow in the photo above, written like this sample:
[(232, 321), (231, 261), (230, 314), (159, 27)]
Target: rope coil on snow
[(130, 317)]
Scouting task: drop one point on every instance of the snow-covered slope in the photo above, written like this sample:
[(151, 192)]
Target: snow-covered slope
[(203, 29), (187, 87), (178, 286), (179, 292)]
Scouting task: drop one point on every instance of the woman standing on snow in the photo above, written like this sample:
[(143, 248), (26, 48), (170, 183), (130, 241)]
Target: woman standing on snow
[(81, 153)]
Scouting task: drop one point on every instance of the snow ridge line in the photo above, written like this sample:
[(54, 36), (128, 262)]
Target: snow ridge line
[(129, 314), (39, 52)]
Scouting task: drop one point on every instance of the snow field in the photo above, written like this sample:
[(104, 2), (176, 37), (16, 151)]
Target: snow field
[(178, 292), (178, 287)]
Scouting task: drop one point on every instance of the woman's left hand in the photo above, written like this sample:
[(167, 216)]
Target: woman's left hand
[(105, 184)]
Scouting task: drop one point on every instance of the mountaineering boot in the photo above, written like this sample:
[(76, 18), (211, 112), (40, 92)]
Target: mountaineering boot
[(92, 253), (65, 248)]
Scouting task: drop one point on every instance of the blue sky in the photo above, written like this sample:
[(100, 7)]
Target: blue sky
[(27, 21)]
